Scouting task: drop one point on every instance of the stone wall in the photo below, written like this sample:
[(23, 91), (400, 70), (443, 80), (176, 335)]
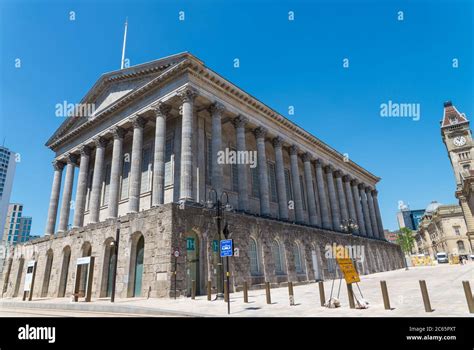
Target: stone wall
[(167, 228)]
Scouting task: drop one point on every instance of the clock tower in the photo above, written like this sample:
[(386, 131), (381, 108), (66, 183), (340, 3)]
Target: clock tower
[(457, 138)]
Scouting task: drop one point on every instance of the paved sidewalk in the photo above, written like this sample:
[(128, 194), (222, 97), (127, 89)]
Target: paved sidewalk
[(444, 284)]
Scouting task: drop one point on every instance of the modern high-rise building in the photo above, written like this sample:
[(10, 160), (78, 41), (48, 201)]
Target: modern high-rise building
[(410, 218), (17, 227), (7, 172)]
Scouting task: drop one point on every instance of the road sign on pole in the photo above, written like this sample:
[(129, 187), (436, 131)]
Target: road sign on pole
[(226, 248)]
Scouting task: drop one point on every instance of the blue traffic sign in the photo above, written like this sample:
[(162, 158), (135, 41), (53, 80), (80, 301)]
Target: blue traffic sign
[(226, 248)]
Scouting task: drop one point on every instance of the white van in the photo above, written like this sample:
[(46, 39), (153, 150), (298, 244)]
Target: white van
[(442, 258)]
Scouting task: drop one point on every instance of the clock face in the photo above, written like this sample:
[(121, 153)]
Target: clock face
[(459, 141)]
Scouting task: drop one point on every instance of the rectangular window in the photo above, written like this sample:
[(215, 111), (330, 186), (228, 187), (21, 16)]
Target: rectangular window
[(289, 192), (303, 195), (125, 178), (457, 230), (272, 182), (105, 197), (255, 182), (146, 170)]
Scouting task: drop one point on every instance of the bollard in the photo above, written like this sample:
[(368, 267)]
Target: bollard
[(350, 295), (469, 298), (267, 292), (209, 290), (246, 293), (386, 300), (193, 290), (226, 293), (291, 294), (426, 298), (322, 297)]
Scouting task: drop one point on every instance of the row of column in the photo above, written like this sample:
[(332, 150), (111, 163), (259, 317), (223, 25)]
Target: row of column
[(346, 198)]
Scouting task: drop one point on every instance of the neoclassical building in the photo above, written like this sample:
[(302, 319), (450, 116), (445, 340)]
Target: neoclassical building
[(146, 161)]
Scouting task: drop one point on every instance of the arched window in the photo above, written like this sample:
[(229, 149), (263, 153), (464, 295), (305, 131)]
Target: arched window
[(64, 271), (254, 261), (276, 251), (460, 247), (297, 255), (47, 273)]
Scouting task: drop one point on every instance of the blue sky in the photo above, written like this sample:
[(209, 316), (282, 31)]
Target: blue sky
[(283, 63)]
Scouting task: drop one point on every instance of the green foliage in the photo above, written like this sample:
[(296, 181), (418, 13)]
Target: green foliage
[(406, 239)]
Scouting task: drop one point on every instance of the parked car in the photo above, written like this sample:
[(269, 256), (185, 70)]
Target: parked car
[(442, 258)]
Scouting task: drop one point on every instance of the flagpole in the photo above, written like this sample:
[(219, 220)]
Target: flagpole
[(124, 43)]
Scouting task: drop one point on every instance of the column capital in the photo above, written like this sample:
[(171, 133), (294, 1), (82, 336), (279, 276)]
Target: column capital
[(99, 141), (118, 132), (361, 186), (307, 157), (161, 109), (338, 173), (260, 132), (85, 150), (277, 142), (368, 189), (58, 164), (354, 182), (328, 168), (319, 162), (240, 121), (138, 121), (187, 94), (71, 158), (375, 193), (216, 109), (294, 150), (346, 178)]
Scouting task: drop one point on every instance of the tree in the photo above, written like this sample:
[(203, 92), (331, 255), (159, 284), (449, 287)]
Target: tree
[(406, 240)]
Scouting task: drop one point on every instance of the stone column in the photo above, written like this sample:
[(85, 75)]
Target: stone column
[(187, 128), (81, 187), (280, 178), (373, 217), (295, 180), (350, 201), (136, 164), (308, 176), (158, 194), (336, 213), (54, 198), (323, 201), (97, 179), (260, 133), (116, 171), (216, 110), (341, 196), (67, 193), (242, 171), (377, 214), (358, 207), (365, 210)]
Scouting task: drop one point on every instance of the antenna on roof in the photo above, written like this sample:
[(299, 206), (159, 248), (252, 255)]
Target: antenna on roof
[(124, 43)]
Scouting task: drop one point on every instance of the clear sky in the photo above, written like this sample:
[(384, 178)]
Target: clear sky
[(283, 63)]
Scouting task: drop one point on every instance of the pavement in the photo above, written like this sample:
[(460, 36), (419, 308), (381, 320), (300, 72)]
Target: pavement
[(444, 283)]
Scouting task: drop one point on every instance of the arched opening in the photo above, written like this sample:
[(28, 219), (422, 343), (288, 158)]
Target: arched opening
[(254, 257), (192, 262), (318, 274), (136, 266), (7, 276), (299, 266), (21, 263), (64, 271), (461, 247), (47, 273), (86, 250), (278, 258), (108, 268)]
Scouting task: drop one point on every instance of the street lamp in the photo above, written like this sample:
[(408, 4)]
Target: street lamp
[(115, 245), (220, 206), (349, 226)]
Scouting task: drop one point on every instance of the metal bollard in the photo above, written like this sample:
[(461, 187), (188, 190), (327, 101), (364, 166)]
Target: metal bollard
[(426, 298), (226, 293), (350, 295), (386, 300), (246, 292), (209, 290), (291, 294), (267, 292), (469, 297), (322, 296), (193, 290)]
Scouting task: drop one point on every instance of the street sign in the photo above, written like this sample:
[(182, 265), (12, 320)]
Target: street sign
[(176, 253), (348, 270), (226, 247), (215, 245), (190, 244)]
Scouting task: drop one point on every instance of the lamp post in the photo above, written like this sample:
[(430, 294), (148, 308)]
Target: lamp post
[(349, 226), (115, 245), (219, 205)]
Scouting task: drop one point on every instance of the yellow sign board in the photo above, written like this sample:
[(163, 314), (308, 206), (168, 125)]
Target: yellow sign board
[(348, 270)]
